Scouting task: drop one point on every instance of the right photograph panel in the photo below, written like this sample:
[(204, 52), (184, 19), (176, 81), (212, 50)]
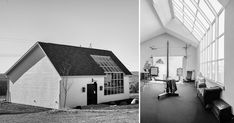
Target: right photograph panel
[(185, 61)]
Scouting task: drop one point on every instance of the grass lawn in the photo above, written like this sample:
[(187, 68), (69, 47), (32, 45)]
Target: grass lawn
[(11, 113)]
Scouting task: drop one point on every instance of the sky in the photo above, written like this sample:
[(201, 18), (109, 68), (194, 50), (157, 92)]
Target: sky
[(106, 24)]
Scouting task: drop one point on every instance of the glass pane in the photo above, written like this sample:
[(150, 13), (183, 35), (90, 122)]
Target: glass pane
[(213, 70), (203, 20), (206, 10), (216, 5), (198, 32), (186, 18), (213, 51), (213, 26), (188, 26), (221, 47), (208, 37), (178, 13), (180, 17), (191, 6), (221, 71), (209, 54), (178, 10), (208, 70), (178, 3), (205, 70), (205, 41), (221, 23), (199, 27), (188, 14), (196, 35)]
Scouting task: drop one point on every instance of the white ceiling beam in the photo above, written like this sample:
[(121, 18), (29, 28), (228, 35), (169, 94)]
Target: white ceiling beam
[(155, 13), (171, 8), (163, 11)]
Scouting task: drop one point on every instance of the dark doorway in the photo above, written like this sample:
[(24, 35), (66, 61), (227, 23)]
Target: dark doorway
[(92, 93)]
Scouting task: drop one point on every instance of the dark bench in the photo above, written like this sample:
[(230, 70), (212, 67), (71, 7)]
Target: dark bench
[(221, 110), (208, 95)]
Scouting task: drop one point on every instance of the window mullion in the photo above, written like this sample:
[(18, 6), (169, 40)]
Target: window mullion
[(183, 11), (194, 15), (200, 10), (211, 7)]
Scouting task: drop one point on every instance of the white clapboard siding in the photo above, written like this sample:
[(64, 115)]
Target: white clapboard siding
[(38, 86)]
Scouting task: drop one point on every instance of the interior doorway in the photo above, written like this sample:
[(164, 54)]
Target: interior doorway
[(175, 62)]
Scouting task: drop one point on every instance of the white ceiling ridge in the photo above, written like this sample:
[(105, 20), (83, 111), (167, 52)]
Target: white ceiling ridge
[(181, 37), (163, 11), (176, 28), (154, 37), (164, 23)]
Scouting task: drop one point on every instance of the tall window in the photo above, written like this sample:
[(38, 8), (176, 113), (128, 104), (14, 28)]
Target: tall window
[(212, 50), (114, 79), (113, 83), (205, 20)]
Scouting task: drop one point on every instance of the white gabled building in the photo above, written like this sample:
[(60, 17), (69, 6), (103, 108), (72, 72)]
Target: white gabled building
[(47, 71)]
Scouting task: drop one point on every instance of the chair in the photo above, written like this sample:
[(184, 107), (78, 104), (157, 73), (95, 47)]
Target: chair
[(189, 77)]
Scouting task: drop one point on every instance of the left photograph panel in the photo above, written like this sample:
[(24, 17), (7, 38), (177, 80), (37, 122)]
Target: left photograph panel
[(69, 61)]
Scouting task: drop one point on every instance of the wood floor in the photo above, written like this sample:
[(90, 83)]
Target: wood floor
[(186, 108)]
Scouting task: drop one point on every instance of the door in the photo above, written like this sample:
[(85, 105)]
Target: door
[(92, 93)]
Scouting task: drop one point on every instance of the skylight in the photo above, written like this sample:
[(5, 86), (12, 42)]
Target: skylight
[(196, 15), (107, 64)]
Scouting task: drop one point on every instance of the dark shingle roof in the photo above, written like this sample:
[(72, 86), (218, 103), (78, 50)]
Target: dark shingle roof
[(78, 58)]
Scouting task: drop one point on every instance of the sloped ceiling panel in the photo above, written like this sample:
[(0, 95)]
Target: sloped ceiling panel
[(163, 10), (177, 29), (156, 18), (150, 25)]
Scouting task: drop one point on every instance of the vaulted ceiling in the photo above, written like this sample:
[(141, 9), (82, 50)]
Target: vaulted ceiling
[(162, 16)]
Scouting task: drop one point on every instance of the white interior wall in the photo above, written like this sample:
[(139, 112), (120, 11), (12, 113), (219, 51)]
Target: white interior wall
[(176, 49), (228, 93)]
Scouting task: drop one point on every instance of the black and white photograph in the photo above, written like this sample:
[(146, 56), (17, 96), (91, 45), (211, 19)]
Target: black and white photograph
[(191, 44), (116, 61), (69, 61)]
